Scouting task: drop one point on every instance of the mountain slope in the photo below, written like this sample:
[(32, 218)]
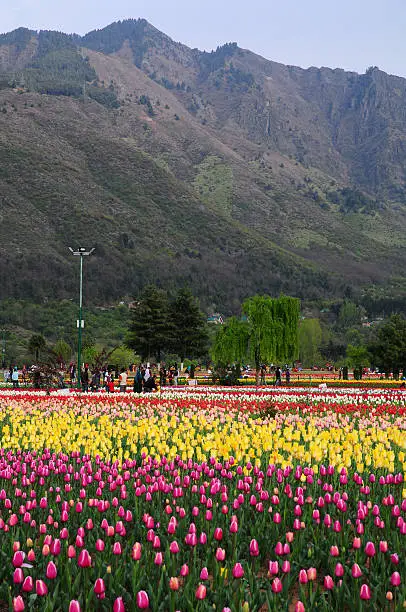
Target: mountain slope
[(223, 170)]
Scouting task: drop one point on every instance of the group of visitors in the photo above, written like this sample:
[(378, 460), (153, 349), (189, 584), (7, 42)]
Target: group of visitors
[(104, 379), (11, 374)]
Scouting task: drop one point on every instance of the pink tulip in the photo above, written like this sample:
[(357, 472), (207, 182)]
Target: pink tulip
[(365, 592), (18, 576), (220, 554), (118, 605), (201, 592), (158, 559), (174, 583), (286, 567), (356, 571), (84, 559), (136, 551), (41, 588), (303, 576), (276, 585), (273, 568), (28, 584), (184, 570), (395, 579), (117, 548), (142, 600), (74, 606), (370, 549), (339, 570), (204, 574), (218, 534), (18, 604), (51, 571), (254, 548), (299, 607), (334, 552), (238, 570), (328, 583), (312, 573), (18, 558), (99, 588)]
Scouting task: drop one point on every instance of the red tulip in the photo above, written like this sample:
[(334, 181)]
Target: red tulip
[(18, 604), (218, 534), (201, 592), (41, 588), (365, 592), (142, 600)]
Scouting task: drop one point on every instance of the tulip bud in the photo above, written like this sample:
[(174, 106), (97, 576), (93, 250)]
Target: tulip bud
[(254, 548), (18, 604), (201, 592), (238, 571), (74, 606), (328, 583), (84, 559), (276, 585), (51, 571), (142, 600), (365, 592), (395, 579), (28, 584), (99, 588), (118, 605), (41, 588)]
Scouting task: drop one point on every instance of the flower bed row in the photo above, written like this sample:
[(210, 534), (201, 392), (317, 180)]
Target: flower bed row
[(190, 501)]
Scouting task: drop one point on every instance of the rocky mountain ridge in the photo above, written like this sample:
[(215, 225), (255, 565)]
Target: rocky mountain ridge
[(261, 177)]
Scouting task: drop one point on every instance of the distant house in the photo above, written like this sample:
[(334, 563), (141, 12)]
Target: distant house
[(216, 318)]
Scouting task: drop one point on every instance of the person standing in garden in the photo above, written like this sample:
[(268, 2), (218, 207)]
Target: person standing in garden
[(278, 377), (137, 388), (14, 378), (123, 380), (85, 379)]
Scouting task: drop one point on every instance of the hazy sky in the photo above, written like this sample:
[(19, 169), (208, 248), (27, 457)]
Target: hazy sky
[(350, 34)]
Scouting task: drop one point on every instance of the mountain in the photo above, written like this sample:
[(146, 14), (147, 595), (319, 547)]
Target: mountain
[(222, 170)]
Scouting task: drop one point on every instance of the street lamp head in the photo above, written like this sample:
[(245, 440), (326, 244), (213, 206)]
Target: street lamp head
[(81, 251)]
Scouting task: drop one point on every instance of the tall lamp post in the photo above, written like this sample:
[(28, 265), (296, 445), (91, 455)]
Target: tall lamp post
[(80, 252), (3, 349)]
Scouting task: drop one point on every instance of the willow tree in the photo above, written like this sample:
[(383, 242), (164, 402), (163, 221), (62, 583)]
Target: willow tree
[(272, 329), (269, 332), (231, 342)]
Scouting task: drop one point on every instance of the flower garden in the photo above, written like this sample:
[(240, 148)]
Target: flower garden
[(225, 499)]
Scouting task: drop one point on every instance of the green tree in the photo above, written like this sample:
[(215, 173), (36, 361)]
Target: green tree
[(150, 330), (272, 329), (36, 346), (389, 349), (268, 333), (357, 357), (310, 338), (231, 342), (63, 351), (189, 327), (122, 357), (349, 315)]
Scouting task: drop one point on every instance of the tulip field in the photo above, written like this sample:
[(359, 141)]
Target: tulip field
[(222, 499)]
